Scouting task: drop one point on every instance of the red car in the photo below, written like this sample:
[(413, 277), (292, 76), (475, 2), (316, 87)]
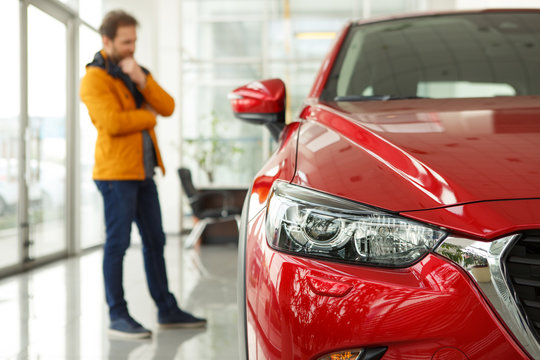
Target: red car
[(399, 217)]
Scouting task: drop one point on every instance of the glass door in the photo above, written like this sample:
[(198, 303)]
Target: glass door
[(92, 226), (9, 133), (46, 134)]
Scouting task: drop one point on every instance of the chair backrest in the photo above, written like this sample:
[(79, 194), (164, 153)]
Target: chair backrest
[(187, 183)]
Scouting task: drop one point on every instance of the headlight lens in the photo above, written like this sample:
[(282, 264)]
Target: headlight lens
[(310, 223)]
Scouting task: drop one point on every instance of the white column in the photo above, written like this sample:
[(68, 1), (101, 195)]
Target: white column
[(169, 74)]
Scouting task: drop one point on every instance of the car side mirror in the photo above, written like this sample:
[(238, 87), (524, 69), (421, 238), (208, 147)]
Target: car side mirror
[(261, 102)]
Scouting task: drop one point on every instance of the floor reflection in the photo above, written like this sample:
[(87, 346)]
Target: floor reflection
[(124, 349), (58, 311)]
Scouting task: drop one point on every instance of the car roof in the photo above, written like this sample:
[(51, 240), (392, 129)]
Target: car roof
[(440, 13)]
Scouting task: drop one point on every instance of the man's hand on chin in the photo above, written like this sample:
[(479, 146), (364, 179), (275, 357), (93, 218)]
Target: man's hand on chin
[(130, 67)]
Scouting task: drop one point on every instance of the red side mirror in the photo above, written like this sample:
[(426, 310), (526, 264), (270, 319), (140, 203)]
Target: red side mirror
[(260, 102)]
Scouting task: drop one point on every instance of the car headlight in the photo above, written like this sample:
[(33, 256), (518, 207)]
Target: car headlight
[(310, 223)]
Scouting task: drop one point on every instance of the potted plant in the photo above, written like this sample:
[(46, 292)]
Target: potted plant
[(211, 150)]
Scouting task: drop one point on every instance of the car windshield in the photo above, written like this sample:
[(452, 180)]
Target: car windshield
[(446, 56)]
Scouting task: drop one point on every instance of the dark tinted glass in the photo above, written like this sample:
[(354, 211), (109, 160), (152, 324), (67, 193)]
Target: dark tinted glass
[(446, 56)]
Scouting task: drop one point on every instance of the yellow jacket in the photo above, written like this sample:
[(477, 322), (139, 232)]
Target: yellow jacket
[(119, 123)]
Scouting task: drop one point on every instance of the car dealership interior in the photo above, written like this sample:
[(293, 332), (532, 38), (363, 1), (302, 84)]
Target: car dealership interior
[(52, 228)]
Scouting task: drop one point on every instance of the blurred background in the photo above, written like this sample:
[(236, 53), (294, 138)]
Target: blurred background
[(50, 209), (199, 50)]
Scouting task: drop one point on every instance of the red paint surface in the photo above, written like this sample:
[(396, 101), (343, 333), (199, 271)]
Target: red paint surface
[(422, 154), (267, 96), (487, 220)]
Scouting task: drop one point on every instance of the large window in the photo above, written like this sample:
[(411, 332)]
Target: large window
[(92, 230), (46, 139), (9, 132), (38, 142), (227, 43), (223, 43)]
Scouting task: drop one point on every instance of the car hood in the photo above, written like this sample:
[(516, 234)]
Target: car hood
[(436, 153)]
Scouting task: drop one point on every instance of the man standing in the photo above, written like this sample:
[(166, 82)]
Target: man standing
[(123, 100)]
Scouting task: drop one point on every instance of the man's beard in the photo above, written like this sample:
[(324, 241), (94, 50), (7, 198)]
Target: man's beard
[(117, 57)]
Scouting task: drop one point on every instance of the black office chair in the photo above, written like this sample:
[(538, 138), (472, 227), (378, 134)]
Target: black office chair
[(209, 206)]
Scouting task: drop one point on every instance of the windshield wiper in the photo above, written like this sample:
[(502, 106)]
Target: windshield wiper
[(375, 97)]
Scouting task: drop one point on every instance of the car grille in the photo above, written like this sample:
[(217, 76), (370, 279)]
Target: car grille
[(523, 266)]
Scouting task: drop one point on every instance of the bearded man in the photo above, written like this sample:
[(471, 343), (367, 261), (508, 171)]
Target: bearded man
[(123, 101)]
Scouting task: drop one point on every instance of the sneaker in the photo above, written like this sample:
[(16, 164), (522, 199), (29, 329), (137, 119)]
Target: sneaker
[(127, 328), (180, 319)]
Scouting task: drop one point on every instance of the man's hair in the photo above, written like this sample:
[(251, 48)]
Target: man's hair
[(113, 20)]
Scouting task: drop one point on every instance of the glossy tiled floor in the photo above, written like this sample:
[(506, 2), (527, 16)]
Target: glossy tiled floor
[(58, 311)]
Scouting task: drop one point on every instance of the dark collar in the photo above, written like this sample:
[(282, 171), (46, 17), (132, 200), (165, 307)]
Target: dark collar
[(102, 61)]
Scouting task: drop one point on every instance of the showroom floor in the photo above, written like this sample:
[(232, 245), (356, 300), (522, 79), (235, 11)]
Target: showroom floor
[(58, 311)]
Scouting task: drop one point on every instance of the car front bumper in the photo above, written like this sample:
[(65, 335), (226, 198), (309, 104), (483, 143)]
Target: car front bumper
[(301, 308)]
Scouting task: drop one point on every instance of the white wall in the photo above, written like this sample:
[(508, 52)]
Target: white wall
[(168, 69)]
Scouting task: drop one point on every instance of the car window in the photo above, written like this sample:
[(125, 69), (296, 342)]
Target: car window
[(445, 56)]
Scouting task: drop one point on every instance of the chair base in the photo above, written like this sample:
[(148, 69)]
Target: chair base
[(199, 227)]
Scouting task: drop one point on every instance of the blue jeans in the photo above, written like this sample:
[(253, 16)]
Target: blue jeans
[(125, 202)]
